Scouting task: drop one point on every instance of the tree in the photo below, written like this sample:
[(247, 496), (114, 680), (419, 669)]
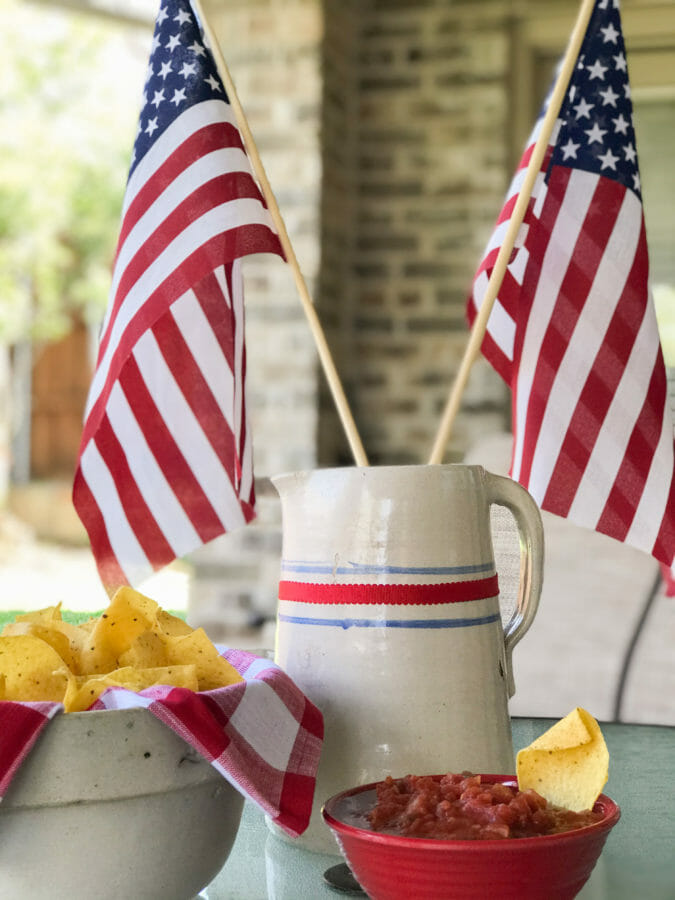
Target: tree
[(71, 91)]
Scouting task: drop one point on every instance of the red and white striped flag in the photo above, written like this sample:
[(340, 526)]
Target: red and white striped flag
[(165, 461), (573, 330)]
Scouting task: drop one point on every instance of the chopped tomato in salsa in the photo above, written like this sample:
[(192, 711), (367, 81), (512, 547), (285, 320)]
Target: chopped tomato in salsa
[(462, 807)]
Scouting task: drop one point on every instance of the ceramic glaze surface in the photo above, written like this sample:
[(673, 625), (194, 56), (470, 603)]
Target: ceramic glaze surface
[(389, 618), (112, 804)]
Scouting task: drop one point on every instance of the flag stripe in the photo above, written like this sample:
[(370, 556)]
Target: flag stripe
[(204, 257), (189, 327), (195, 389), (624, 497), (192, 215), (607, 270), (189, 156), (105, 519), (583, 300), (531, 337), (154, 514), (591, 421), (213, 288), (574, 331), (608, 452), (203, 244), (141, 520), (137, 380), (92, 518)]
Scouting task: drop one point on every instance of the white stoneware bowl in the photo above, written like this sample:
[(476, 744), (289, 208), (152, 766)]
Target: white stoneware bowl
[(112, 804)]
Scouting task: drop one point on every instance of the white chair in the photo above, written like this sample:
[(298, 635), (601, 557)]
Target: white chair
[(603, 637)]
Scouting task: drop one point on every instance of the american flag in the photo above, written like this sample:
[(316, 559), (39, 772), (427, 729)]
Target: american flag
[(573, 330), (165, 460)]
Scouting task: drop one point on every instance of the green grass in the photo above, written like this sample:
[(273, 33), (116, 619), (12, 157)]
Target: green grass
[(9, 615)]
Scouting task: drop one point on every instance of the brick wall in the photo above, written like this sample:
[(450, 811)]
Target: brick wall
[(273, 51), (383, 127), (336, 295), (430, 171)]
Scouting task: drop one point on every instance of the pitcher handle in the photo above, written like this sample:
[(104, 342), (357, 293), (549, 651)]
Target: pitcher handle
[(507, 492)]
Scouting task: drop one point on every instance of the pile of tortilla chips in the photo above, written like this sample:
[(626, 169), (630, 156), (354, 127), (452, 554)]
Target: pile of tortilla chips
[(133, 644), (568, 764)]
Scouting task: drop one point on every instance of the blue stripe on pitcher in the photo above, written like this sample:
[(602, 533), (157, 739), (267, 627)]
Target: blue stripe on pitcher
[(292, 565), (392, 623)]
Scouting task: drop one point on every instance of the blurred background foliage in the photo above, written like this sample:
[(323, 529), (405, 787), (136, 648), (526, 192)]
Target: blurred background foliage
[(68, 105)]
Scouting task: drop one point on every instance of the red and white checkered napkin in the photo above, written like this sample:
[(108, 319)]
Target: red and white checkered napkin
[(262, 734)]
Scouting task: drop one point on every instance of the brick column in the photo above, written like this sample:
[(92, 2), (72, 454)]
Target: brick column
[(272, 50)]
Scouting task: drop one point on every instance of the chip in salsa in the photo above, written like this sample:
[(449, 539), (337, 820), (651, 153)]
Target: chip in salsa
[(568, 764)]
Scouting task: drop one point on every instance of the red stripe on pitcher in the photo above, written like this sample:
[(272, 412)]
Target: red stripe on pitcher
[(392, 594)]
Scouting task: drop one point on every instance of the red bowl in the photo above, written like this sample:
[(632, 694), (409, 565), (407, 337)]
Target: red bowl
[(391, 867)]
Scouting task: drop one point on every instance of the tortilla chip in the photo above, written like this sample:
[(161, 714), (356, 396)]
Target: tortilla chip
[(568, 764), (213, 671), (32, 669), (51, 636), (128, 615), (147, 651), (171, 625), (46, 616), (84, 690)]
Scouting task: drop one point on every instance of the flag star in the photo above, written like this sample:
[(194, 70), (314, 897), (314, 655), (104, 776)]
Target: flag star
[(608, 160), (620, 125), (165, 70), (154, 45), (597, 70), (178, 96), (151, 126), (626, 91), (197, 48), (595, 134), (620, 63), (157, 99), (174, 42), (602, 4), (162, 15), (630, 153), (188, 69), (213, 83), (609, 97), (572, 92), (570, 149), (636, 181), (610, 34), (583, 109), (182, 17)]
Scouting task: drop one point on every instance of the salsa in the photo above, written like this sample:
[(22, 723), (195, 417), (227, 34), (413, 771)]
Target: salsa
[(463, 807)]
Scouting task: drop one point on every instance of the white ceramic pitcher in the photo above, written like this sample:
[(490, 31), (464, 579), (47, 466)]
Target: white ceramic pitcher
[(389, 619)]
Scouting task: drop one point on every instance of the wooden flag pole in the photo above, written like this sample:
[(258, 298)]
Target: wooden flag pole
[(519, 210), (323, 350)]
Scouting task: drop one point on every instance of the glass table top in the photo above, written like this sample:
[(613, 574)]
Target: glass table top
[(638, 860)]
